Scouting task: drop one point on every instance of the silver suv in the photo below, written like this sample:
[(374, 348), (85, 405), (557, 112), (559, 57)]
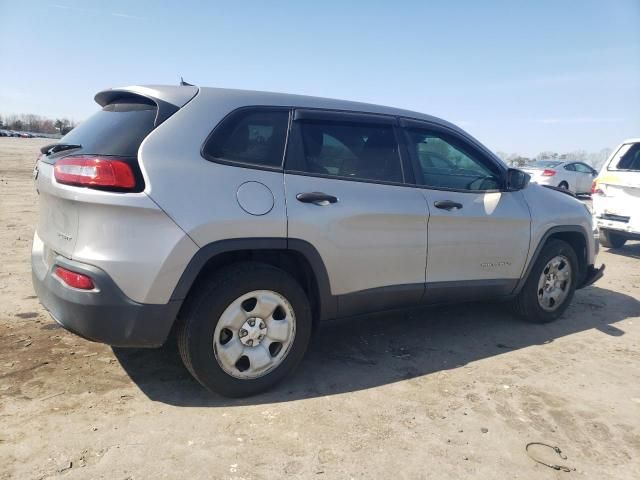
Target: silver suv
[(243, 219)]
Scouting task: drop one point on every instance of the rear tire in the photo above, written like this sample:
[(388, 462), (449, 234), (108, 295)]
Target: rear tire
[(213, 329), (611, 239), (564, 185), (528, 303)]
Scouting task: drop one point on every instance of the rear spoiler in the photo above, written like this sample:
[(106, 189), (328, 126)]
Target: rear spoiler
[(168, 99)]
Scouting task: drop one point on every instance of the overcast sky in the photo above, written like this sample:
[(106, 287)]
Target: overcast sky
[(545, 75)]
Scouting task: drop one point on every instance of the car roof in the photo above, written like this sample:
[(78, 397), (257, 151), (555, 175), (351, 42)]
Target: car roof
[(180, 95)]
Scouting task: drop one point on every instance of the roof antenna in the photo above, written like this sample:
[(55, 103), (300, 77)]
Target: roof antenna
[(185, 84)]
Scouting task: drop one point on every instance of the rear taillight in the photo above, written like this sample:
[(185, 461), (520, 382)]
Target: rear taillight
[(95, 172), (548, 172), (595, 189), (73, 279)]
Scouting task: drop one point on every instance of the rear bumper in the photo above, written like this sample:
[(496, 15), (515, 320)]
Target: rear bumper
[(593, 275), (104, 314), (623, 225)]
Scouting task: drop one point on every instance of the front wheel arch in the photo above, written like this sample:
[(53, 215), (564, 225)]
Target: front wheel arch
[(575, 236)]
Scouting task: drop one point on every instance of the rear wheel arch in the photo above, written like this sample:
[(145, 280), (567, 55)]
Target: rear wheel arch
[(297, 257)]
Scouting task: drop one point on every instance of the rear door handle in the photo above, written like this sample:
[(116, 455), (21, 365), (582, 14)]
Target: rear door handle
[(319, 198), (447, 205)]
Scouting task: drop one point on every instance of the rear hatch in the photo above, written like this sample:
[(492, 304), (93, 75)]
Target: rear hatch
[(113, 133)]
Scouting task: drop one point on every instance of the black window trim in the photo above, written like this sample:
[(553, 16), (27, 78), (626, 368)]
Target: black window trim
[(292, 166), (327, 115), (612, 168), (399, 124), (477, 150), (254, 166), (584, 165)]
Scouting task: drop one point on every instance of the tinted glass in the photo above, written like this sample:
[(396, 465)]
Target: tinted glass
[(630, 160), (351, 150), (570, 166), (118, 129), (445, 163), (582, 168), (255, 137)]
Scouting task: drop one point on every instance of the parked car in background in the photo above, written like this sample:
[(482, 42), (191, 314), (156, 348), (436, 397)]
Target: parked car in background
[(616, 196), (247, 218), (576, 177), (4, 133)]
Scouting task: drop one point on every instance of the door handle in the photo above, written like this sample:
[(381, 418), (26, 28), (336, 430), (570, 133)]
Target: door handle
[(319, 198), (447, 205)]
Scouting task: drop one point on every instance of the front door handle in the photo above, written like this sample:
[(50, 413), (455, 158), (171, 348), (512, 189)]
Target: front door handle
[(319, 198), (447, 205)]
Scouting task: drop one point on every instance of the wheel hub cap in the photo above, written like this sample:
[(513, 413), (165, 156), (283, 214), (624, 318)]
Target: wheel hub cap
[(554, 283), (252, 332)]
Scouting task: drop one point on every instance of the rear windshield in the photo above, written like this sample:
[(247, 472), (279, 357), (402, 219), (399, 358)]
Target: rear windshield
[(545, 164), (627, 158), (118, 129)]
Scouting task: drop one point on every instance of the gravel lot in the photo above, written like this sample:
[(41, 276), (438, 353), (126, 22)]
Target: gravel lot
[(446, 393)]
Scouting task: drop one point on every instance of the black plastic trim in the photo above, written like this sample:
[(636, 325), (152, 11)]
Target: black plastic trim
[(328, 303), (379, 299), (104, 314), (545, 237), (207, 252), (592, 276), (468, 290), (312, 114)]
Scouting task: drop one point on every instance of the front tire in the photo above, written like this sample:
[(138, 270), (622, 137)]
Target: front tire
[(550, 285), (244, 328), (611, 239)]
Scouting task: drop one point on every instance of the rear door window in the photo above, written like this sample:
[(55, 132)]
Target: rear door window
[(118, 129), (582, 168), (255, 137), (351, 150)]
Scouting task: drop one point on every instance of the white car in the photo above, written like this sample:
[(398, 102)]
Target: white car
[(616, 196), (576, 177)]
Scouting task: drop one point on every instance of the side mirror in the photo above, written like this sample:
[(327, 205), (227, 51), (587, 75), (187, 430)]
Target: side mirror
[(516, 180)]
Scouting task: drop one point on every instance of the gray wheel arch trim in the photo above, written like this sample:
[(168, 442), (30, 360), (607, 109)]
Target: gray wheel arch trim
[(551, 231), (327, 302)]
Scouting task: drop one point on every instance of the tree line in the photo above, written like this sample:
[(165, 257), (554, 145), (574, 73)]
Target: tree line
[(28, 122), (595, 159)]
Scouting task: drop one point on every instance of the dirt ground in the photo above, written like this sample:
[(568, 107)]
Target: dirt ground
[(446, 393)]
